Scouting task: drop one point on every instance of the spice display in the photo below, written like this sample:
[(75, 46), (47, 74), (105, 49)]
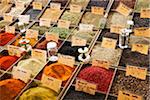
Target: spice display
[(115, 18), (7, 61), (63, 2), (131, 84), (142, 4), (24, 1), (10, 88), (52, 14), (106, 54), (33, 13), (129, 3), (71, 16), (5, 38), (16, 11), (78, 95), (39, 93), (58, 71), (34, 65), (100, 76), (63, 32), (3, 23), (139, 40), (4, 8), (82, 3), (41, 29), (97, 3), (90, 18), (140, 22), (134, 58)]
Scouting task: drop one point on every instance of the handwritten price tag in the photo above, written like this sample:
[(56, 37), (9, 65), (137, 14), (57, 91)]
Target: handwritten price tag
[(66, 60), (85, 86), (142, 31), (85, 27), (98, 10), (101, 63), (124, 95), (52, 36), (109, 43), (39, 54), (14, 50), (116, 29), (45, 22), (145, 13), (64, 24), (32, 33), (21, 74), (123, 9), (24, 18), (77, 41), (8, 18), (75, 8), (141, 48), (138, 72), (55, 6), (37, 5), (10, 29), (51, 82)]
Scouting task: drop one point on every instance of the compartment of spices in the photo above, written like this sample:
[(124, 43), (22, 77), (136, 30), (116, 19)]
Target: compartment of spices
[(115, 18), (134, 58), (26, 2), (140, 22), (131, 85), (141, 4), (129, 3), (63, 2), (10, 87), (5, 21), (53, 13), (101, 3), (103, 53), (82, 3), (5, 7), (7, 60)]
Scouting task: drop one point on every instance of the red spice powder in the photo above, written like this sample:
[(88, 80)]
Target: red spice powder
[(100, 76), (7, 61), (5, 38), (10, 88)]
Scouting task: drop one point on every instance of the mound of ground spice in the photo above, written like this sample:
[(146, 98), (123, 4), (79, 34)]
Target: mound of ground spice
[(5, 38), (100, 76), (7, 61), (10, 88)]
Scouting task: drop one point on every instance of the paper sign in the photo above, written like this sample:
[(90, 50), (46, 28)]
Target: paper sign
[(20, 4), (77, 41), (86, 27), (109, 43), (14, 50), (138, 72), (45, 22), (142, 31), (37, 5), (51, 82), (24, 19), (123, 9), (75, 8), (116, 29), (39, 54), (124, 95), (64, 24), (98, 10), (32, 33), (101, 63), (145, 13), (141, 48), (52, 36), (85, 86), (10, 29), (55, 6), (66, 60), (8, 18), (21, 74)]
